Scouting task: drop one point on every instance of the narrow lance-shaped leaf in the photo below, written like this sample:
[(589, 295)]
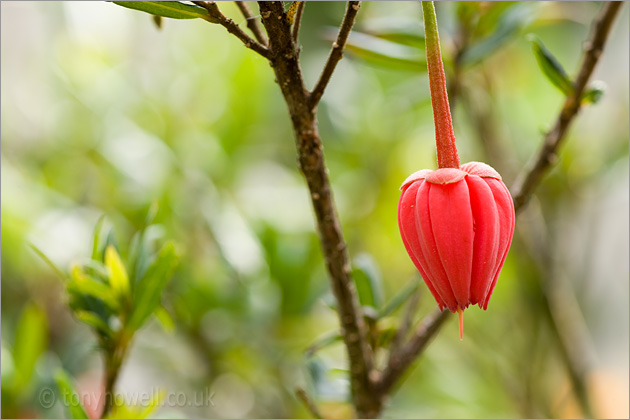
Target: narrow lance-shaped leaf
[(403, 31), (169, 9), (94, 321), (151, 213), (97, 238), (381, 52), (165, 319), (110, 239), (82, 284), (550, 66), (138, 411), (148, 292), (322, 342), (47, 260), (119, 280), (69, 396), (368, 280), (398, 299), (30, 342), (509, 23)]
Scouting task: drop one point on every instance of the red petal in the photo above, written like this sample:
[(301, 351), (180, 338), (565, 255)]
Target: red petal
[(416, 176), (480, 169), (486, 227), (505, 208), (409, 234), (434, 268), (452, 223)]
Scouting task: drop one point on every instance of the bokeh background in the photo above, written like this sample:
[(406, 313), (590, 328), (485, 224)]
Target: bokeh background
[(103, 113)]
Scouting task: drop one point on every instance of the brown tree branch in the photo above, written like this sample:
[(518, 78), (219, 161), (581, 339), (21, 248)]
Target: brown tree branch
[(284, 60), (336, 52), (547, 155), (252, 23), (402, 359), (406, 324), (232, 27), (298, 21)]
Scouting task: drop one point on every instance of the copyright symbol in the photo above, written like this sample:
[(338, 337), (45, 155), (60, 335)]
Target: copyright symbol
[(46, 398)]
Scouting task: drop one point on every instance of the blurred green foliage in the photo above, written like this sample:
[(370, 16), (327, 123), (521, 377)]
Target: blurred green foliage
[(102, 113)]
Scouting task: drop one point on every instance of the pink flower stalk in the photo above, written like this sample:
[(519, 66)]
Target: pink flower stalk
[(456, 222)]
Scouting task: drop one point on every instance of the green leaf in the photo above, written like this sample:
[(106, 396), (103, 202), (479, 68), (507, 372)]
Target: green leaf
[(368, 280), (140, 251), (153, 210), (594, 92), (110, 239), (119, 280), (508, 25), (550, 66), (169, 9), (138, 411), (153, 404), (31, 341), (165, 319), (97, 271), (97, 238), (69, 396), (94, 321), (398, 299), (323, 342), (148, 292), (47, 260), (404, 31), (82, 284), (381, 52)]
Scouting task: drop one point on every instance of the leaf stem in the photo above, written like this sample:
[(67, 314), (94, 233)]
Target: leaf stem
[(444, 136)]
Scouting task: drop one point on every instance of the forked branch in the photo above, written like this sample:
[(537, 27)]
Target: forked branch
[(232, 27), (547, 155), (336, 52), (252, 23), (285, 63)]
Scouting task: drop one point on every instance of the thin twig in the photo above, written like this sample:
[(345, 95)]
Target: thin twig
[(402, 331), (400, 361), (232, 27), (298, 21), (336, 52), (285, 63), (562, 312), (252, 23), (308, 403), (525, 184)]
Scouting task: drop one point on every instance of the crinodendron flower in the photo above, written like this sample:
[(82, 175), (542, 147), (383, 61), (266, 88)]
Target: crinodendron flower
[(456, 222), (457, 226)]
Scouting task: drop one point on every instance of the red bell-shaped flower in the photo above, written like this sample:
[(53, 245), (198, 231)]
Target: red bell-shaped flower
[(456, 222), (457, 226)]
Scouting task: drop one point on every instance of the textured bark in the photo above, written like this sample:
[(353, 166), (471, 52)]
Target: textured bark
[(284, 61)]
